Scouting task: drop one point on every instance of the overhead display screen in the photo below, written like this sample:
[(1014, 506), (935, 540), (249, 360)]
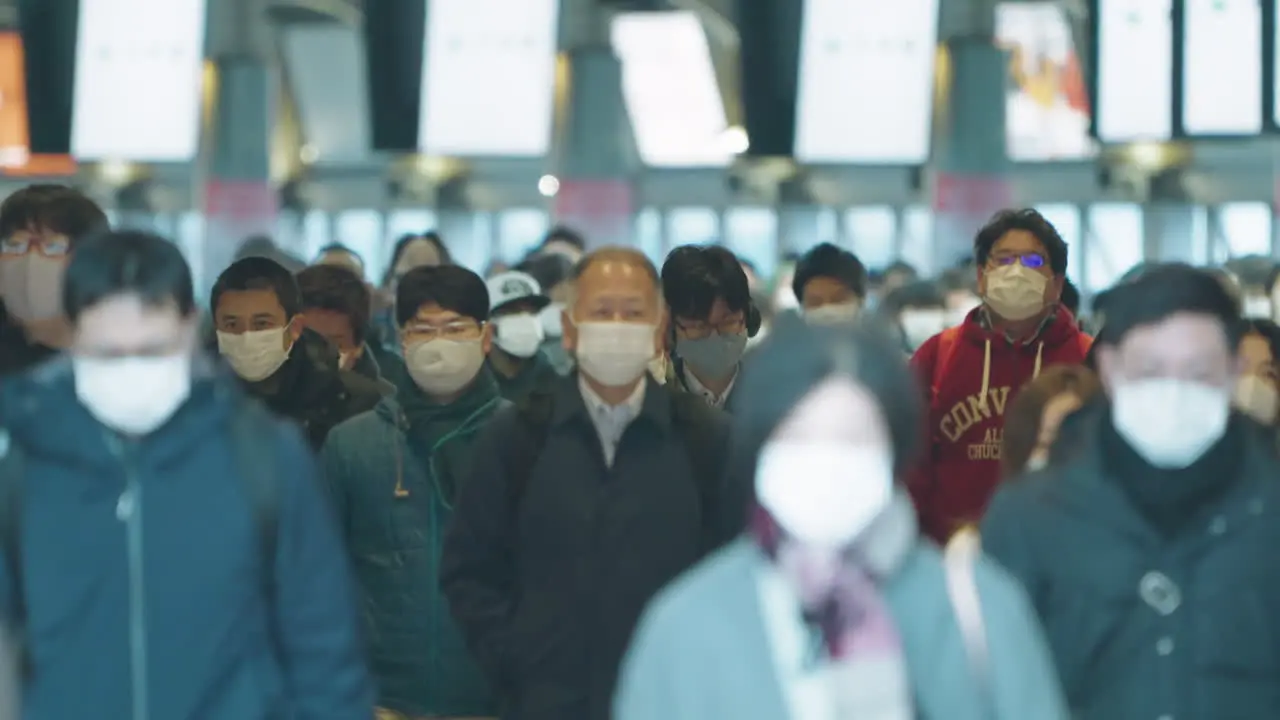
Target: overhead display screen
[(1047, 104), (488, 81), (865, 92), (669, 84), (1135, 70), (138, 80), (1222, 67)]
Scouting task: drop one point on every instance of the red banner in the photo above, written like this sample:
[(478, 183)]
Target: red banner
[(601, 210)]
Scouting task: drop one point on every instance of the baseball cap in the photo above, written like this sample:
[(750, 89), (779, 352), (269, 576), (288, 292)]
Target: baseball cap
[(508, 287)]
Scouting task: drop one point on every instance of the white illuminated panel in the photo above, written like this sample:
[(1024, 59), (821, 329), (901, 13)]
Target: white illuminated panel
[(669, 84), (488, 81), (1222, 68), (1135, 70), (1047, 104), (138, 80), (865, 90)]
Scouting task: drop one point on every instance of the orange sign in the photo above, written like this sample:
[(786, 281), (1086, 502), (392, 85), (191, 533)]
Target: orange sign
[(15, 156)]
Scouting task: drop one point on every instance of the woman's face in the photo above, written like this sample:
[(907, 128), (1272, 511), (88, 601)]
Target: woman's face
[(1256, 390), (418, 253), (1055, 411), (1256, 357)]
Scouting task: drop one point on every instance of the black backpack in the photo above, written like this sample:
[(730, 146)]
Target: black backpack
[(251, 425), (691, 419)]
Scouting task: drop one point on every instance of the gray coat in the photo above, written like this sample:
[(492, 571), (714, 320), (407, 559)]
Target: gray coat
[(703, 653)]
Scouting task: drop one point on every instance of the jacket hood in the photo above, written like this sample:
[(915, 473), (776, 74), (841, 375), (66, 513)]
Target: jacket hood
[(1058, 331)]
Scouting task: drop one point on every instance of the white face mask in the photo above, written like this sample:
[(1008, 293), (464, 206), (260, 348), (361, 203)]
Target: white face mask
[(133, 395), (1170, 422), (443, 367), (1257, 397), (918, 325), (824, 494), (552, 320), (1015, 292), (255, 355), (1257, 307), (347, 359), (31, 286), (519, 335), (838, 314), (615, 353)]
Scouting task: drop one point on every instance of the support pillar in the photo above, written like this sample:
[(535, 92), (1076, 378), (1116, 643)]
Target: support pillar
[(1168, 233)]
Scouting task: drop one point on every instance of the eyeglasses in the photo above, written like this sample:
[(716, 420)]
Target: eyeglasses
[(48, 247), (458, 331), (699, 329), (1032, 260)]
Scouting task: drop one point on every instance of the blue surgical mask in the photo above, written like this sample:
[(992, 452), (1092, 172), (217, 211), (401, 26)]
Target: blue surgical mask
[(713, 357)]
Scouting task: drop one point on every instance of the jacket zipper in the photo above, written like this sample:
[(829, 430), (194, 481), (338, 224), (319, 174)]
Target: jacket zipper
[(129, 511)]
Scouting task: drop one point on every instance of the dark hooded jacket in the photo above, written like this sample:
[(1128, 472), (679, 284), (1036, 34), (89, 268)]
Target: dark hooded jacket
[(17, 352)]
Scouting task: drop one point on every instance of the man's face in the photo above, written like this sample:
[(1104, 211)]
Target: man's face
[(336, 328), (433, 322), (1022, 247), (614, 290), (32, 264), (242, 311), (821, 291), (123, 326), (721, 320), (1186, 346)]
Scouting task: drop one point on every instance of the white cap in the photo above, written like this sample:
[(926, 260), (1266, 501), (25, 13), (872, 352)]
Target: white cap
[(511, 286)]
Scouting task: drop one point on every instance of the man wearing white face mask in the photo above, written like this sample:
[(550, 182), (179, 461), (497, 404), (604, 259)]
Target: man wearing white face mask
[(186, 516), (583, 503), (39, 227), (554, 274), (1166, 513), (262, 334), (974, 370), (831, 285), (517, 359), (395, 473)]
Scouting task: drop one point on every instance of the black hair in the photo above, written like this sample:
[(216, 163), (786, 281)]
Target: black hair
[(695, 276), (1268, 331), (561, 233), (549, 270), (339, 248), (1166, 290), (1071, 298), (917, 294), (259, 273), (452, 287), (901, 267), (1028, 220), (431, 236), (127, 262), (1253, 271), (827, 260), (54, 208), (796, 357), (338, 289)]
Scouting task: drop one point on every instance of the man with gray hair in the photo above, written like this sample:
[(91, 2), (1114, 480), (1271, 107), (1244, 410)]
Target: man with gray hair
[(584, 501)]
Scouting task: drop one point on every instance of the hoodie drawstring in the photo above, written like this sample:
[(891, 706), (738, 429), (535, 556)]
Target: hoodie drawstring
[(1039, 355), (986, 369)]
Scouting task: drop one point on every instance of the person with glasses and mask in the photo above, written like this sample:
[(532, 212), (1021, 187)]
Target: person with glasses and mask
[(263, 335), (972, 371), (168, 550), (712, 317), (40, 226), (395, 474), (517, 359), (583, 503)]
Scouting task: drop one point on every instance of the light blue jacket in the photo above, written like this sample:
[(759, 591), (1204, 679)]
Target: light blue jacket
[(702, 651)]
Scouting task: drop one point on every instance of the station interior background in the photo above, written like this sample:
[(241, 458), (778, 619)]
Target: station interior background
[(1143, 129)]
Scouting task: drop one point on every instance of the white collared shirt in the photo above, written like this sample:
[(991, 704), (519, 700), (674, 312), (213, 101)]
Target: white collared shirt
[(611, 420), (697, 388)]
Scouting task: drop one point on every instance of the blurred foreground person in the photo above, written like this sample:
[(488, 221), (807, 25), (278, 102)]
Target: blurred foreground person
[(832, 605), (395, 474), (40, 226), (1150, 553), (168, 551), (517, 360), (583, 503), (831, 285), (257, 309), (973, 371), (1035, 416), (1258, 390)]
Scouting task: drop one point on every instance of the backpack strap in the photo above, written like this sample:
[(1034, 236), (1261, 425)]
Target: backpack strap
[(534, 417), (253, 436), (11, 481), (948, 343)]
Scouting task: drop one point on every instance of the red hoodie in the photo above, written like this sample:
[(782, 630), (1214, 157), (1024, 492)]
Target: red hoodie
[(959, 368)]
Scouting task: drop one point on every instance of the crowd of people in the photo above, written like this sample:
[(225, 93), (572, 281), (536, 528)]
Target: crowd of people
[(589, 487)]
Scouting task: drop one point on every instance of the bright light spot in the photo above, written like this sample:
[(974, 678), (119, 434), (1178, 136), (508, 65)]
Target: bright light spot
[(735, 140), (309, 154), (115, 172), (1148, 155), (548, 185)]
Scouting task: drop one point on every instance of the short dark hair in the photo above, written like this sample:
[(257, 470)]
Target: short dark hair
[(917, 294), (561, 233), (1166, 290), (339, 248), (452, 287), (1030, 221), (549, 270), (430, 236), (1071, 297), (259, 273), (56, 208), (827, 260), (127, 262), (338, 289), (695, 276)]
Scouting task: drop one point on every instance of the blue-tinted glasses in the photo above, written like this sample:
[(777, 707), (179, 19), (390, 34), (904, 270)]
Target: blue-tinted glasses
[(1031, 260)]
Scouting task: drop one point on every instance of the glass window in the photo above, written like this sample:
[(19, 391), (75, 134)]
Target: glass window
[(752, 234), (916, 241), (1115, 243), (1066, 219), (361, 230), (648, 235), (872, 232), (315, 234), (1245, 228), (692, 225), (519, 231)]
